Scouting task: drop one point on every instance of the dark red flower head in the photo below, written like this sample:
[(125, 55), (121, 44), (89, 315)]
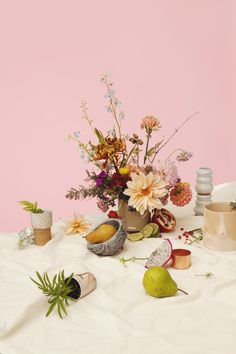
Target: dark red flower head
[(113, 214)]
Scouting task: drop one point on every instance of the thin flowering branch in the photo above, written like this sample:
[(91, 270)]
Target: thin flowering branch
[(84, 147), (25, 237), (130, 153), (149, 133), (113, 102), (85, 114), (176, 131), (183, 156)]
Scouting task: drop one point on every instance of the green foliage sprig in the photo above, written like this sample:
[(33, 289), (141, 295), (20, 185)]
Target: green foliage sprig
[(57, 289), (31, 207), (207, 275)]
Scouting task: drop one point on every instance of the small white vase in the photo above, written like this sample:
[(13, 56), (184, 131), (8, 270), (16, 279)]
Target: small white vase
[(204, 181), (203, 188)]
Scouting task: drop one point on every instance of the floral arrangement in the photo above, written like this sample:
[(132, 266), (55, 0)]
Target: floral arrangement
[(126, 166)]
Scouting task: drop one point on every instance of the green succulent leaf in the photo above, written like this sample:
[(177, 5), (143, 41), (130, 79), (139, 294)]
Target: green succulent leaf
[(53, 304), (56, 289), (30, 207)]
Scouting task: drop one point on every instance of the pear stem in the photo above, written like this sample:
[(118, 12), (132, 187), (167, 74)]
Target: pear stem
[(183, 291)]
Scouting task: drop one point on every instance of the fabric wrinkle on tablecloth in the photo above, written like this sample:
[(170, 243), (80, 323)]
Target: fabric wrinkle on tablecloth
[(118, 317)]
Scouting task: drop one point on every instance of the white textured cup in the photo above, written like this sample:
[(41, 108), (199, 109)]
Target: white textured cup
[(41, 220)]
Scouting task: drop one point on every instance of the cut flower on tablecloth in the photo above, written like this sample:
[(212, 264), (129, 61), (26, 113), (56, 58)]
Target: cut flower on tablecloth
[(126, 165), (77, 224)]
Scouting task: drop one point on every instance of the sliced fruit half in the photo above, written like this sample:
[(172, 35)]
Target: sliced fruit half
[(161, 255), (147, 231), (135, 236), (156, 229), (165, 219)]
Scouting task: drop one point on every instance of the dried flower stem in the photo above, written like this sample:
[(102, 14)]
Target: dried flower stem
[(182, 291), (179, 149), (115, 116), (113, 109), (85, 114), (176, 131), (131, 259), (207, 275), (131, 152), (147, 144)]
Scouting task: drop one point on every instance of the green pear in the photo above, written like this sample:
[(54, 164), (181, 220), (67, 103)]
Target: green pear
[(158, 282)]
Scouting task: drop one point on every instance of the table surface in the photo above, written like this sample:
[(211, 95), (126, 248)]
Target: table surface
[(119, 317)]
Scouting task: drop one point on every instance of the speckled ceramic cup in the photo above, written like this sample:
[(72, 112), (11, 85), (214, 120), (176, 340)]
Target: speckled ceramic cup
[(219, 227)]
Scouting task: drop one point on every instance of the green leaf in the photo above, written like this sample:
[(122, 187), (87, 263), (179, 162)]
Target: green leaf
[(56, 290), (54, 281), (53, 304), (62, 276), (63, 308), (38, 284), (47, 280), (31, 207), (151, 151), (40, 278), (99, 136), (69, 279), (59, 310)]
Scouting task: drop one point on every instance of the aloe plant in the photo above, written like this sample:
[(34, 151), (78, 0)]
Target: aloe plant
[(31, 207), (58, 290)]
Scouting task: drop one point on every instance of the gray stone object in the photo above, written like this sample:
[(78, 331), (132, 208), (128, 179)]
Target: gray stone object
[(114, 244)]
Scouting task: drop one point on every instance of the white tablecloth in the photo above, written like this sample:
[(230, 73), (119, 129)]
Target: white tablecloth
[(119, 317)]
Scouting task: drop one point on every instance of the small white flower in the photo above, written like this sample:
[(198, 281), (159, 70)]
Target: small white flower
[(77, 134)]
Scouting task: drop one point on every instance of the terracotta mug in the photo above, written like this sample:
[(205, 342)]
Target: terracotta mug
[(219, 227)]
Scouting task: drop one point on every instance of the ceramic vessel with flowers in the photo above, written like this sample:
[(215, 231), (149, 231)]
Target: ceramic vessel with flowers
[(127, 174)]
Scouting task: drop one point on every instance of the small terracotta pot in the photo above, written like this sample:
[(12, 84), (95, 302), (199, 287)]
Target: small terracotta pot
[(41, 223), (133, 220)]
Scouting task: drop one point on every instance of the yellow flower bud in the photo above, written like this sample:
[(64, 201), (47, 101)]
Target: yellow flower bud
[(124, 170)]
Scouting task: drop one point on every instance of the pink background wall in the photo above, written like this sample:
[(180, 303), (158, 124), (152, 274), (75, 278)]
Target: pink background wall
[(168, 58)]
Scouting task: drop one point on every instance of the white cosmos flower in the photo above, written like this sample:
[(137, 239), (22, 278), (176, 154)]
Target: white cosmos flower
[(76, 225), (145, 191)]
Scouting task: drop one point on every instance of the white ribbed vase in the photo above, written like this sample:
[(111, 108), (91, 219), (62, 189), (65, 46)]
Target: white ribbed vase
[(41, 223), (204, 181), (203, 188), (41, 220)]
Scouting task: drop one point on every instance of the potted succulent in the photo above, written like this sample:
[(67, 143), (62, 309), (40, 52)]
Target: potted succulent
[(41, 221), (61, 290)]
